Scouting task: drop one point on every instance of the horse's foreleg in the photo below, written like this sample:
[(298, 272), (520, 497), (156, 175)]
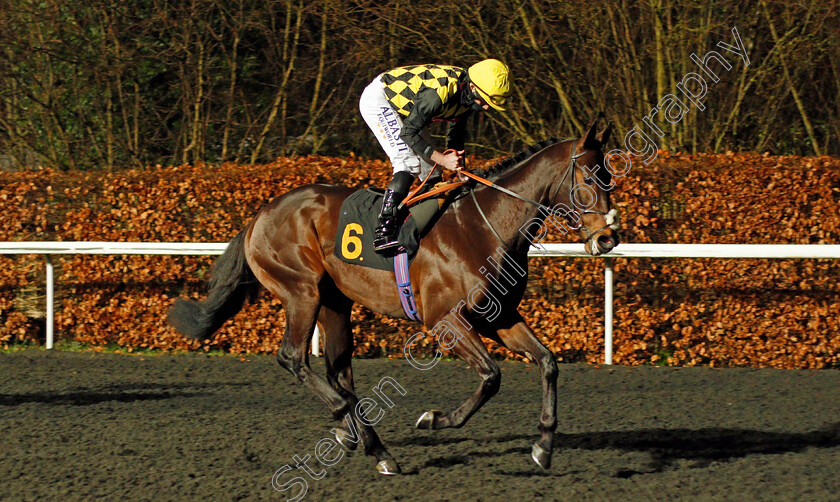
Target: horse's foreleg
[(520, 339), (471, 349)]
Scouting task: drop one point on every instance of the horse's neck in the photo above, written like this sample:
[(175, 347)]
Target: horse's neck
[(531, 180)]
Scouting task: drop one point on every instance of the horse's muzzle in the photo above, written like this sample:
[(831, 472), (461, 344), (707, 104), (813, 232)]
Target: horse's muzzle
[(605, 239), (606, 243)]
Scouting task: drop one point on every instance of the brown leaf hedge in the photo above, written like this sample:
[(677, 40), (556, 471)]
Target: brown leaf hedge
[(717, 312)]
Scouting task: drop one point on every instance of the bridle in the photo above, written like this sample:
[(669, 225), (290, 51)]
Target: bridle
[(610, 217)]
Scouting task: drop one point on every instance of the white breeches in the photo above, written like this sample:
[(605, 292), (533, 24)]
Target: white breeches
[(387, 125)]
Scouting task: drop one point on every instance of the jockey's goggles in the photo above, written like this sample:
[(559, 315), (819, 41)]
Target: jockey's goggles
[(497, 101)]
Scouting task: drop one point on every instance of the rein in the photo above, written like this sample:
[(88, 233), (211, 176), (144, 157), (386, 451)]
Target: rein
[(610, 217), (411, 198)]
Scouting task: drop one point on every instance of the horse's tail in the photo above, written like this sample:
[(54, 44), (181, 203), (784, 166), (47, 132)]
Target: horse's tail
[(231, 283)]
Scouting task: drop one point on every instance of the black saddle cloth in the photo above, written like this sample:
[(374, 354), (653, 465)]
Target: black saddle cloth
[(359, 216)]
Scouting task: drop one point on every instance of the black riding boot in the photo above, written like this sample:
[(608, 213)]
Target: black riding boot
[(385, 235)]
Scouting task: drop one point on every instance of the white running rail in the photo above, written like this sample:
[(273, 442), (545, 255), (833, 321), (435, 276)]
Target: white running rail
[(807, 251)]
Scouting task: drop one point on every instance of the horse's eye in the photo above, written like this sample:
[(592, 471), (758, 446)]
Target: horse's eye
[(588, 180)]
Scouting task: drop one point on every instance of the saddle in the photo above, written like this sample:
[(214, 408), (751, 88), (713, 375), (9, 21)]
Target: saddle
[(357, 219)]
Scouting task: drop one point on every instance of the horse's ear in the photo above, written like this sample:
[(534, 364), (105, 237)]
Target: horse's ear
[(589, 142), (604, 135)]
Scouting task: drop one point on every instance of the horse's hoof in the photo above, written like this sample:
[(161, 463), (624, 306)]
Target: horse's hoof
[(343, 438), (388, 467), (541, 456), (428, 420)]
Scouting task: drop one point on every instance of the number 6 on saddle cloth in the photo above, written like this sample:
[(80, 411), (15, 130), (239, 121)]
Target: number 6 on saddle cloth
[(358, 217)]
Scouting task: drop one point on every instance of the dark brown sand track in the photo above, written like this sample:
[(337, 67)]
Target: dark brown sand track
[(79, 426)]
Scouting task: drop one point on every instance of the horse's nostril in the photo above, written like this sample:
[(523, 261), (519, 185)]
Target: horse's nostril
[(606, 243)]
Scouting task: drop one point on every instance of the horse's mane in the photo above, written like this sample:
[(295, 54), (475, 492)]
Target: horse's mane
[(504, 166)]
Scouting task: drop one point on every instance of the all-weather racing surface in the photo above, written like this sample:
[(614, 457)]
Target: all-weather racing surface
[(77, 426)]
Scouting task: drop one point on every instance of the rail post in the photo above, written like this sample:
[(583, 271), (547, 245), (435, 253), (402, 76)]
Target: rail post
[(316, 341), (50, 296), (608, 311)]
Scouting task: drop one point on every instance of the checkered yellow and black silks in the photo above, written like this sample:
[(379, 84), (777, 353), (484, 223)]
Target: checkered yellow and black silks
[(402, 85)]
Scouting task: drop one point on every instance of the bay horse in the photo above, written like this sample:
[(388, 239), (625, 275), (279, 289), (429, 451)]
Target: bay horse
[(288, 249)]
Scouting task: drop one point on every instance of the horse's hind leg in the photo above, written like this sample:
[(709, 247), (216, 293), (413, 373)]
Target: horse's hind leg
[(301, 309), (518, 337), (337, 359), (334, 317), (338, 352), (293, 353)]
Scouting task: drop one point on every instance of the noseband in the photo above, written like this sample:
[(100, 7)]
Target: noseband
[(610, 217)]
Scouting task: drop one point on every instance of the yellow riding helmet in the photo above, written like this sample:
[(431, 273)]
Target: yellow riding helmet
[(492, 80)]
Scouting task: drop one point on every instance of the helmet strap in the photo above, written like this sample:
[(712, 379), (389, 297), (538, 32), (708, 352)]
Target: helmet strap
[(471, 96)]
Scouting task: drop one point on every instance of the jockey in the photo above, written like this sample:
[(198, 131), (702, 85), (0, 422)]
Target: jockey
[(399, 105)]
